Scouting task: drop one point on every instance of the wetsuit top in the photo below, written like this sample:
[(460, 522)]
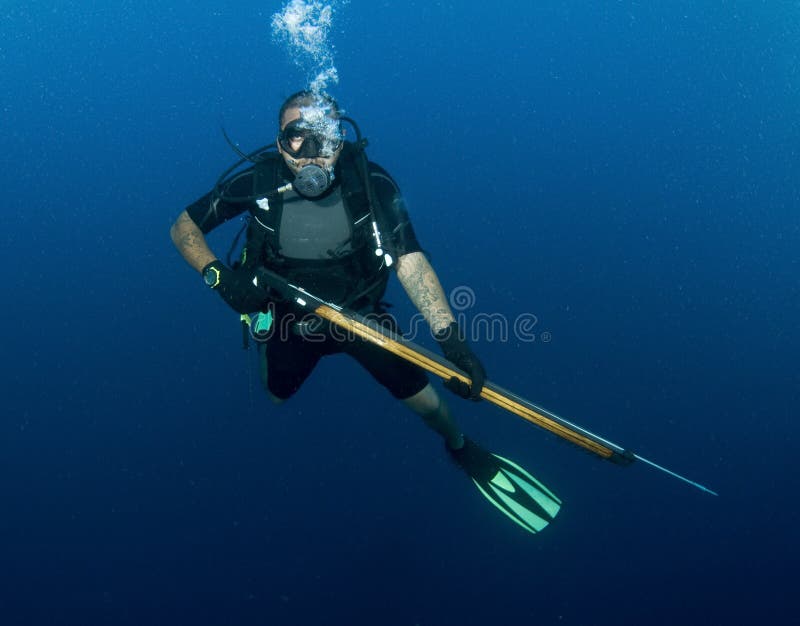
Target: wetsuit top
[(316, 234)]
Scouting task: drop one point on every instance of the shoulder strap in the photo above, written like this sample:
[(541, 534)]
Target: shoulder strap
[(262, 233), (355, 197), (377, 220)]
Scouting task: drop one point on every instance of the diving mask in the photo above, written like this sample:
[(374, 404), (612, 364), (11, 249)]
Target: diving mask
[(303, 139)]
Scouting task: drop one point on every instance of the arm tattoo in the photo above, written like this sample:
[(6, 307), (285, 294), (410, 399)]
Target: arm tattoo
[(189, 235), (190, 242), (423, 287)]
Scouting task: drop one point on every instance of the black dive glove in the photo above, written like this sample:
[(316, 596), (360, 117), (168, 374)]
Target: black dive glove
[(235, 287), (457, 351)]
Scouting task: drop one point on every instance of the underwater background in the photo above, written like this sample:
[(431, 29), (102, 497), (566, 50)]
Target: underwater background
[(627, 172)]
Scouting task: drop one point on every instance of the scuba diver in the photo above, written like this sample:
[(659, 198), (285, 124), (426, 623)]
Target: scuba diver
[(325, 218)]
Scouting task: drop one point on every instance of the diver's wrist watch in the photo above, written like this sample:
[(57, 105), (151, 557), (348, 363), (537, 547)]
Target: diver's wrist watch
[(211, 275)]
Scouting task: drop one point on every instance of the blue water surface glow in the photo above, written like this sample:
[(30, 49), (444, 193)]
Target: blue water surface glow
[(625, 172)]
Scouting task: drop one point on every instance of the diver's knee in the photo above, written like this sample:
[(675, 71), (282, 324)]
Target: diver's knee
[(425, 401)]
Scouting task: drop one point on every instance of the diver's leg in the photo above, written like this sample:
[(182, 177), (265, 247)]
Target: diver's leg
[(407, 382), (263, 374), (429, 405), (285, 362)]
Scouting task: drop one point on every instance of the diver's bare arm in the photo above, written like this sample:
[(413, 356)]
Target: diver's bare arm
[(423, 287), (190, 242)]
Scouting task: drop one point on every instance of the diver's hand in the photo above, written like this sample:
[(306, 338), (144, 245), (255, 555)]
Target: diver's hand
[(457, 351), (235, 287)]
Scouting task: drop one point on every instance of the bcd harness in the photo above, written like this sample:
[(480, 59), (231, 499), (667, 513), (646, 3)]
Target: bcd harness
[(354, 279)]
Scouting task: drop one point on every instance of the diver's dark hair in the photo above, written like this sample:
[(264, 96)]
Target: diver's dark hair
[(304, 98)]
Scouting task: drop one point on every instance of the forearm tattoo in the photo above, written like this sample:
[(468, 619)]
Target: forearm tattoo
[(191, 243), (424, 289)]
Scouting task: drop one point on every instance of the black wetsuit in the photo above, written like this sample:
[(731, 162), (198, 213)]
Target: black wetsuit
[(318, 251)]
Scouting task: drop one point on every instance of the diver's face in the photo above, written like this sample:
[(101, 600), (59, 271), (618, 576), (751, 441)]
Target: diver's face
[(296, 163)]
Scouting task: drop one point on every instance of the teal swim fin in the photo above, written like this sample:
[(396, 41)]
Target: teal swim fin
[(508, 486)]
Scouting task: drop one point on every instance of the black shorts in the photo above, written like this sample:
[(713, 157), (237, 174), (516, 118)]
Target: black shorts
[(291, 357)]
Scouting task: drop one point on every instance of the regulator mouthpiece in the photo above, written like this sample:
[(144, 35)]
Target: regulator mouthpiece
[(312, 181)]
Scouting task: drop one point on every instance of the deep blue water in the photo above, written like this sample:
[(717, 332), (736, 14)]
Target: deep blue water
[(627, 172)]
